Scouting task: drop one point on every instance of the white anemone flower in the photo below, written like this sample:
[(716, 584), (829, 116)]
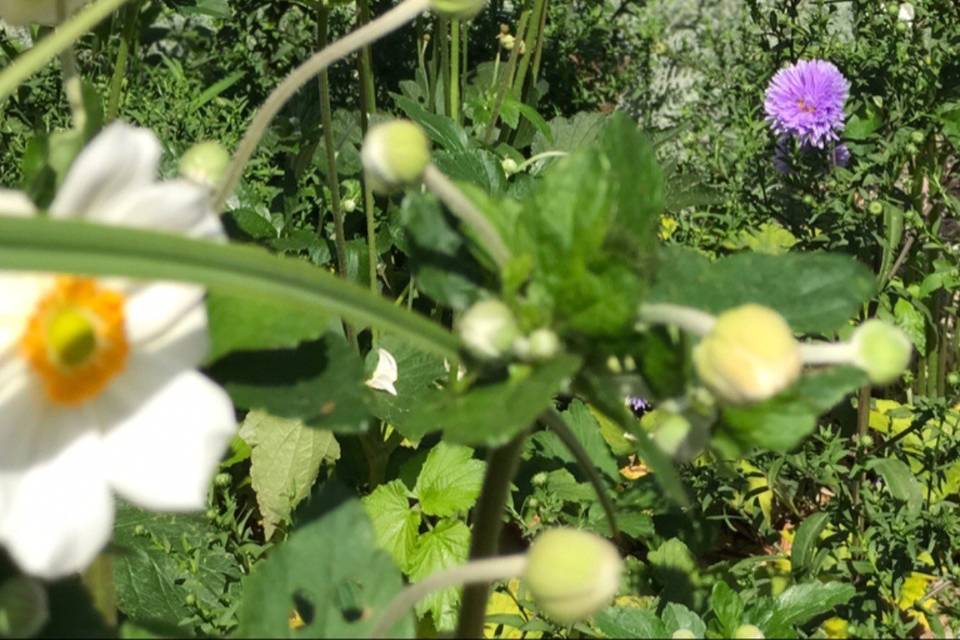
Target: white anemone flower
[(40, 11), (385, 375), (98, 389)]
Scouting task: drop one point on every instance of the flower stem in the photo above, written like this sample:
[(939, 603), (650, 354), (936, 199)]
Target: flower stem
[(455, 27), (506, 81), (820, 353), (468, 213), (540, 156), (474, 572), (488, 522), (368, 107), (131, 14), (692, 320), (54, 44), (388, 22)]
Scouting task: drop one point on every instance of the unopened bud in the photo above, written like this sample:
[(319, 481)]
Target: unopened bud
[(510, 166), (881, 350), (508, 41), (748, 632), (395, 154), (458, 8), (748, 356), (542, 344), (349, 205), (905, 12), (683, 634), (875, 208), (488, 330), (572, 574), (205, 164)]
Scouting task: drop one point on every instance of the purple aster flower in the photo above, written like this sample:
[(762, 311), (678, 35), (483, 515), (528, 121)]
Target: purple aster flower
[(805, 101), (638, 405)]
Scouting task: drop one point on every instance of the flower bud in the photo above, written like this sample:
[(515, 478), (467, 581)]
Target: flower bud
[(881, 350), (875, 207), (510, 166), (458, 8), (488, 330), (905, 12), (683, 634), (24, 607), (749, 355), (541, 345), (748, 632), (205, 164), (395, 154), (572, 574)]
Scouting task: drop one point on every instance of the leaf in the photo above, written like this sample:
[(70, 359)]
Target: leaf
[(450, 480), (395, 524), (825, 290), (676, 616), (441, 129), (329, 571), (417, 372), (675, 569), (587, 431), (805, 542), (152, 583), (570, 134), (477, 166), (246, 324), (630, 622), (800, 603), (319, 383), (73, 246), (285, 462), (900, 481), (492, 414), (728, 607), (447, 545), (780, 423)]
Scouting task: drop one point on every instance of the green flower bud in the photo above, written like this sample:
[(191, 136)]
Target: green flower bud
[(395, 154), (572, 574), (510, 166), (542, 344), (875, 207), (881, 350), (917, 137), (349, 205), (205, 164), (953, 378), (222, 480), (749, 355), (748, 632), (539, 479), (683, 634), (458, 8), (488, 330)]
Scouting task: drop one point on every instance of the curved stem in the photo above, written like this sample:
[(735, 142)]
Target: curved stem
[(478, 571), (558, 425), (818, 353), (488, 522), (57, 42), (469, 214), (540, 156), (123, 53), (687, 318), (390, 21)]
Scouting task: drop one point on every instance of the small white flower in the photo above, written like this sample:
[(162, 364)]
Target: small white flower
[(40, 11), (906, 12), (98, 388), (385, 375)]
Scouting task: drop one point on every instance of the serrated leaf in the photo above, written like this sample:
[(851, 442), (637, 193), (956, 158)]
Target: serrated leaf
[(676, 617), (630, 622), (395, 524), (450, 480), (447, 545), (800, 603), (284, 463), (417, 371), (728, 607), (570, 134), (586, 429)]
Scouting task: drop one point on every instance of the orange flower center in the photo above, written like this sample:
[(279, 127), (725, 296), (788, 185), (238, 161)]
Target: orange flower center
[(75, 341), (804, 106)]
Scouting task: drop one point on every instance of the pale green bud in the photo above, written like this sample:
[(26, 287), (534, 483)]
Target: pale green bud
[(458, 8), (542, 344), (572, 574), (748, 356), (881, 350), (683, 634), (205, 164), (395, 154), (510, 166), (488, 330), (23, 607), (748, 632)]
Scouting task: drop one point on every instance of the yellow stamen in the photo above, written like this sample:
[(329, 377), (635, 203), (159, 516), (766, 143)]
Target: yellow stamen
[(76, 341)]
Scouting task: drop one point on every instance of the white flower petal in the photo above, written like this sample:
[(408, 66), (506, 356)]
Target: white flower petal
[(57, 509), (154, 308), (19, 293), (166, 434), (15, 203), (385, 375), (120, 159), (186, 342)]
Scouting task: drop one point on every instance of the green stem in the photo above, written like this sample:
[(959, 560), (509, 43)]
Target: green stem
[(538, 56), (455, 70), (502, 465), (74, 246), (531, 41), (131, 15), (54, 44), (388, 22), (506, 82), (368, 85), (368, 108)]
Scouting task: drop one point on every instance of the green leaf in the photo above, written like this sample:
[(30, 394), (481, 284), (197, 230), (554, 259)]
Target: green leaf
[(675, 569), (73, 246), (571, 134), (245, 324), (783, 421), (329, 571), (825, 290), (476, 166), (900, 481), (805, 542), (445, 546), (676, 616), (728, 607), (800, 603), (153, 583), (492, 414), (417, 372), (630, 622), (441, 129), (285, 462), (395, 524), (317, 382), (587, 431), (450, 480)]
